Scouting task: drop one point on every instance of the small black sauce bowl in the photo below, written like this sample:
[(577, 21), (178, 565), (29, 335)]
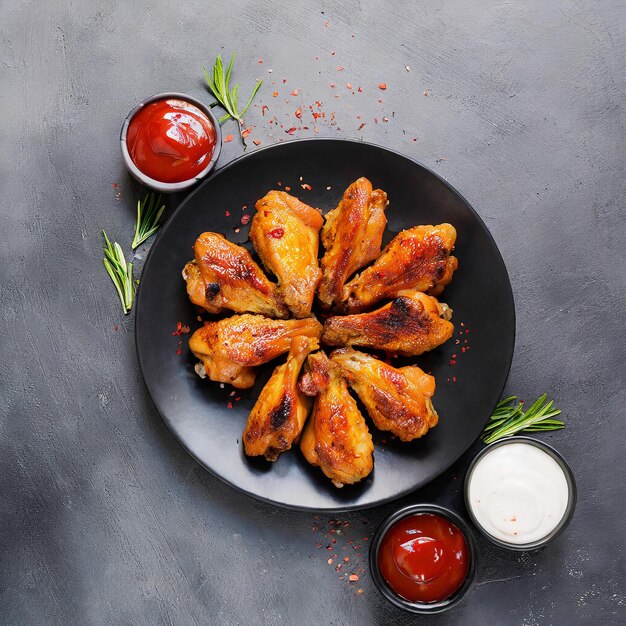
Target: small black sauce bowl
[(423, 607), (571, 502), (158, 185)]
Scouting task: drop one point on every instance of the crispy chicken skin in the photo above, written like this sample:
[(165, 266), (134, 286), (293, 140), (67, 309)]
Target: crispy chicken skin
[(397, 400), (230, 349), (223, 275), (351, 237), (409, 325), (285, 232), (417, 258), (278, 416), (336, 437)]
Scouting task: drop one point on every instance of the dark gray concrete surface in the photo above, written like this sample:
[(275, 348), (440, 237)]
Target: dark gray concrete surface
[(104, 519)]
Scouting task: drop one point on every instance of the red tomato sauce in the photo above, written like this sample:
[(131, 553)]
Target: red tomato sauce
[(424, 558), (170, 140)]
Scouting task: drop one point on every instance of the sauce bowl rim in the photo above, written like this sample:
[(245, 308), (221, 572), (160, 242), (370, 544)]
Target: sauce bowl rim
[(158, 185), (423, 607), (569, 478)]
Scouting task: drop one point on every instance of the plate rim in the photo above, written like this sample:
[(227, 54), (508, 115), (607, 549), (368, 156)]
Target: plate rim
[(138, 300)]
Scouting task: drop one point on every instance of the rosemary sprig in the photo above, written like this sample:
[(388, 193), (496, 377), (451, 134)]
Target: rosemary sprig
[(509, 418), (147, 220), (219, 85), (120, 272)]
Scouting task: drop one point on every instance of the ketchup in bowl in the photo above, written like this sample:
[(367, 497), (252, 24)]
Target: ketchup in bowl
[(171, 140), (424, 558)]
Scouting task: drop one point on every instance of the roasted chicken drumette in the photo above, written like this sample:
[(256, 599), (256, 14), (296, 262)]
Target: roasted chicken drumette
[(285, 232), (411, 324), (351, 236), (397, 400), (277, 418), (230, 349), (418, 258), (223, 275), (336, 437)]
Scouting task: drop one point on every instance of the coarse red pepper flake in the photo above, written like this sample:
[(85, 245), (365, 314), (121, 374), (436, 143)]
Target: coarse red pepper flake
[(246, 132), (245, 219), (382, 86), (263, 109), (256, 142), (287, 188), (340, 68), (277, 233), (348, 85), (228, 138), (116, 328), (332, 85), (291, 131), (425, 92), (361, 126), (306, 186), (181, 329), (275, 94), (260, 61), (230, 405), (294, 92), (360, 89), (227, 213), (298, 113), (353, 578)]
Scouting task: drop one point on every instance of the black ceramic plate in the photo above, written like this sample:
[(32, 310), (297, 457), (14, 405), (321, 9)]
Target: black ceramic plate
[(197, 410)]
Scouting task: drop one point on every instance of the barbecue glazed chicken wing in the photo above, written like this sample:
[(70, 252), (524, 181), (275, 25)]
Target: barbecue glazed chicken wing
[(411, 324), (230, 349), (397, 400), (336, 437), (277, 418), (223, 275), (351, 237), (285, 232), (417, 258)]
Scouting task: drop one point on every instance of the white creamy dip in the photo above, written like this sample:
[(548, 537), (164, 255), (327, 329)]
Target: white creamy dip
[(518, 493)]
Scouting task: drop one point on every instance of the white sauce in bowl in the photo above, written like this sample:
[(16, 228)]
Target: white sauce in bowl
[(518, 493)]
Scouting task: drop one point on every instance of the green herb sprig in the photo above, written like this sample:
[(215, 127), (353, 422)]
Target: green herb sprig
[(509, 418), (219, 85), (147, 221), (121, 273)]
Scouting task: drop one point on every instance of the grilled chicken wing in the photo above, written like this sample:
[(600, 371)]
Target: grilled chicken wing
[(277, 418), (397, 400), (417, 258), (351, 237), (223, 275), (284, 232), (411, 324), (336, 437), (230, 349)]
